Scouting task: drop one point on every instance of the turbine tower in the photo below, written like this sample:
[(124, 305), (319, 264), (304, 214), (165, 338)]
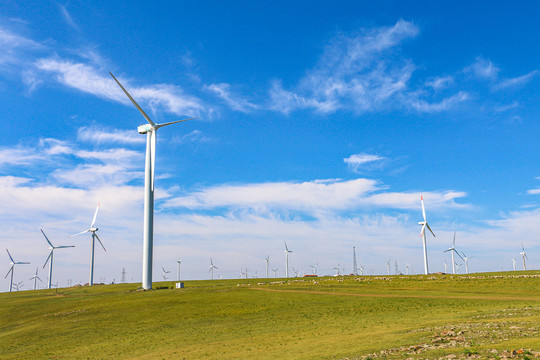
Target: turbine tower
[(179, 261), (275, 272), (287, 251), (50, 257), (423, 234), (35, 278), (212, 267), (354, 264), (453, 250), (523, 255), (388, 267), (150, 130), (13, 263), (267, 259), (514, 264), (92, 230), (466, 259)]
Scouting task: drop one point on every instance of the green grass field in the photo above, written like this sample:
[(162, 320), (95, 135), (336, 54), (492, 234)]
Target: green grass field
[(393, 317)]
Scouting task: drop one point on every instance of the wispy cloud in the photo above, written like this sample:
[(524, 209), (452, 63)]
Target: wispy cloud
[(67, 17), (104, 135), (443, 105), (517, 81), (356, 161), (234, 101), (439, 83), (483, 69)]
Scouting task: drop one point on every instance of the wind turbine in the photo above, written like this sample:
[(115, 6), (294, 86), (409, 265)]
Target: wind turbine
[(179, 261), (337, 270), (35, 278), (165, 272), (150, 130), (453, 250), (523, 255), (314, 267), (407, 268), (92, 230), (514, 264), (212, 267), (445, 266), (275, 271), (423, 234), (50, 257), (388, 267), (466, 259), (18, 286), (267, 259), (13, 263), (287, 251)]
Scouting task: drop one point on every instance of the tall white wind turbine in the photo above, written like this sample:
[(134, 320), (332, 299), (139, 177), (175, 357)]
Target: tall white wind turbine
[(51, 255), (150, 130), (35, 278), (423, 234), (466, 259), (93, 229), (179, 261), (453, 250), (523, 255), (11, 269), (287, 251), (267, 259), (212, 267)]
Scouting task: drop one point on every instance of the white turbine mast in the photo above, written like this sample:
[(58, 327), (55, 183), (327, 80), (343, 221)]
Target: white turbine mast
[(11, 270), (423, 234), (275, 272), (35, 278), (314, 267), (514, 264), (212, 267), (267, 260), (150, 130), (287, 251), (453, 250), (523, 255), (466, 259), (51, 255), (388, 267), (179, 261)]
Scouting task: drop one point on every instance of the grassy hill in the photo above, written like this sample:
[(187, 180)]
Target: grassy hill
[(314, 318)]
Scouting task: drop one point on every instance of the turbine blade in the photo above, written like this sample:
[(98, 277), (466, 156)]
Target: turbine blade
[(459, 255), (10, 256), (286, 248), (46, 238), (22, 263), (10, 270), (48, 257), (95, 216), (174, 122), (423, 208), (82, 232), (134, 102), (454, 241), (430, 230), (423, 229), (64, 246), (97, 237)]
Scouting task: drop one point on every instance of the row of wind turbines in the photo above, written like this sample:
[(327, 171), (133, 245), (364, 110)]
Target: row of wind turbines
[(93, 229)]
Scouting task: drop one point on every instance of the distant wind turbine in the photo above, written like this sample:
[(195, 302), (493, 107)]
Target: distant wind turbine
[(314, 267), (11, 270), (445, 267), (287, 251), (165, 272), (267, 259), (423, 234), (18, 286), (35, 278), (275, 272), (51, 255), (179, 261), (337, 270), (523, 255), (466, 259), (514, 264), (92, 230), (212, 267), (453, 250), (388, 267), (150, 130)]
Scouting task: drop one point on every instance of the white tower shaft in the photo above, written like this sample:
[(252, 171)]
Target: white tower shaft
[(148, 226)]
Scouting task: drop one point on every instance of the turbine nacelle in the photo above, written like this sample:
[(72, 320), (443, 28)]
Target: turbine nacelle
[(143, 129)]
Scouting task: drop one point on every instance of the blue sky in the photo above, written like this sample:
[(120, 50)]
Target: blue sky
[(320, 125)]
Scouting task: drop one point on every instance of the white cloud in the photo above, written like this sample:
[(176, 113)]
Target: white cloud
[(102, 136), (439, 83), (359, 160), (517, 81), (443, 105), (483, 69), (234, 102), (93, 81)]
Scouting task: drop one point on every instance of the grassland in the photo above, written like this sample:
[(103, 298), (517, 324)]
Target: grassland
[(393, 317)]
